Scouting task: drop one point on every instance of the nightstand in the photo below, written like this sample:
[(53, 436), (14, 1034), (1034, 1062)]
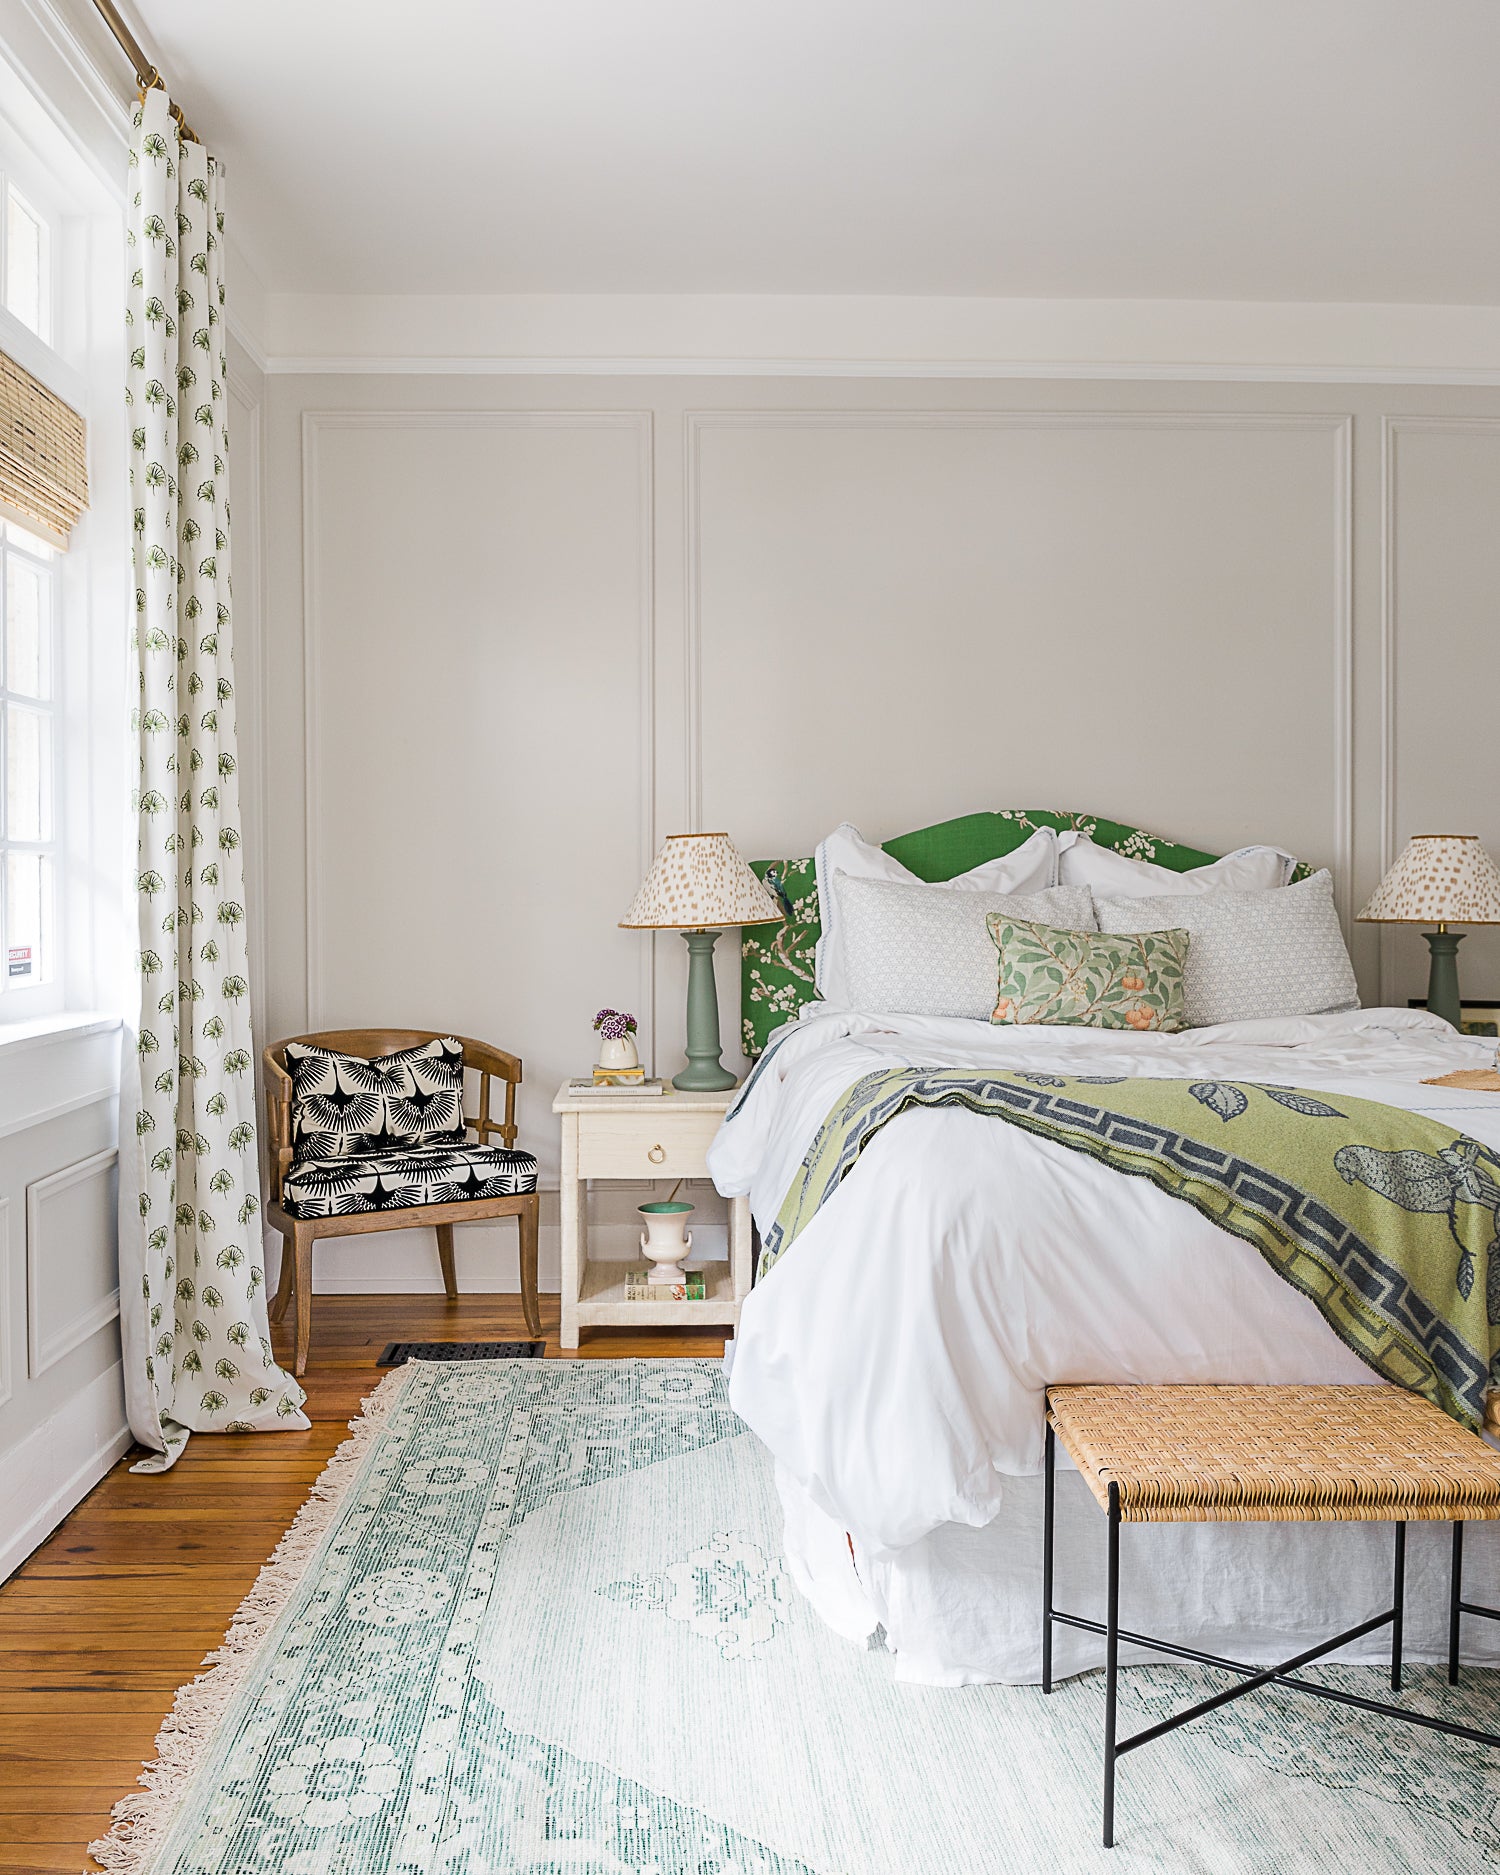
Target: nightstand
[(646, 1137)]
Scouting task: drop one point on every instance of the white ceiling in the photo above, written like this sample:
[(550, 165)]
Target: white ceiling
[(1175, 149)]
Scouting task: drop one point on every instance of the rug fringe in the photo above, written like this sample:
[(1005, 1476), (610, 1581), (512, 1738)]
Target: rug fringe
[(141, 1819)]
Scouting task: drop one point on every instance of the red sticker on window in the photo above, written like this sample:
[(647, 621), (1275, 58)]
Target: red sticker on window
[(18, 961)]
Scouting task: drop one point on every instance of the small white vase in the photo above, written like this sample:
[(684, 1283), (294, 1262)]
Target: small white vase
[(666, 1238), (618, 1051)]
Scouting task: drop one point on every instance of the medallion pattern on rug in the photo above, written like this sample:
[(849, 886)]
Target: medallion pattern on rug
[(729, 1591)]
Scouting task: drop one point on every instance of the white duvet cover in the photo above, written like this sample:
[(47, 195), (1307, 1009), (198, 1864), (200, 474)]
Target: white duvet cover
[(894, 1358)]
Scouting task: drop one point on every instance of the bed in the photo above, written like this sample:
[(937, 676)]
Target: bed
[(894, 1357)]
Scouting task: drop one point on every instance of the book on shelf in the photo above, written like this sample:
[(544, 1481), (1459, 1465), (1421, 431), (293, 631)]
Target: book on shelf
[(617, 1088), (692, 1288), (619, 1077)]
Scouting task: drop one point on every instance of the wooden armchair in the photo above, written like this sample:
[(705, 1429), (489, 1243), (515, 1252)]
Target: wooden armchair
[(301, 1232)]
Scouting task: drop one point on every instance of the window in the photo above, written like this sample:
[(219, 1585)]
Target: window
[(26, 270), (65, 937), (28, 758)]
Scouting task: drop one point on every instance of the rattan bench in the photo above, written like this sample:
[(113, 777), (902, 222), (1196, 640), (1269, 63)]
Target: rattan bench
[(1211, 1454)]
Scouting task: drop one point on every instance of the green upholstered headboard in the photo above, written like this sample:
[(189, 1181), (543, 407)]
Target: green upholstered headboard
[(776, 961)]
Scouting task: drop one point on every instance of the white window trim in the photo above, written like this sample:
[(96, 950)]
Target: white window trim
[(85, 365)]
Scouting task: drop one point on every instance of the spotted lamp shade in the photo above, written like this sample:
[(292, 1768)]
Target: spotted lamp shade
[(1440, 878), (698, 882)]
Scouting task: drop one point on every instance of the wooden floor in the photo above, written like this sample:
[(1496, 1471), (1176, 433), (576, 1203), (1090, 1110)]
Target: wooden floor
[(118, 1607)]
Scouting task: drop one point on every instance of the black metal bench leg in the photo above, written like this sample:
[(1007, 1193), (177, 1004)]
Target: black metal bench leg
[(1111, 1664), (1047, 1501), (1398, 1607), (1455, 1601)]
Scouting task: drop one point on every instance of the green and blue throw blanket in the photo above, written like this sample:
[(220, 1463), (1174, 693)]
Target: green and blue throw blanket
[(1388, 1221)]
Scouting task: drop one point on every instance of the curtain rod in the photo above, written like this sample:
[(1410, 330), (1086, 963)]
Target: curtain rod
[(146, 74)]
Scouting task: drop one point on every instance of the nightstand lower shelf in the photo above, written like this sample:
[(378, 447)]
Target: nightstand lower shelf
[(602, 1304)]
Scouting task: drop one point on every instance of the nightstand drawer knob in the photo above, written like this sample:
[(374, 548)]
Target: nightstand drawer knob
[(656, 1154)]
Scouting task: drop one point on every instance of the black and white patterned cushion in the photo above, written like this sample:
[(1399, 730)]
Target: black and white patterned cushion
[(344, 1107), (395, 1181)]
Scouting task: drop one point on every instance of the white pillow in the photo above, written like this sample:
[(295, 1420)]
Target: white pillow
[(1250, 953), (1247, 869), (1032, 867), (924, 951)]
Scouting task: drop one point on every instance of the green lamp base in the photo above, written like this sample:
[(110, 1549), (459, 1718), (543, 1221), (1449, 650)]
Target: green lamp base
[(704, 1073), (1442, 978)]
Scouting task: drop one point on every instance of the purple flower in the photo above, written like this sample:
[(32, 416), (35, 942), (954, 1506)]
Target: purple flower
[(614, 1024)]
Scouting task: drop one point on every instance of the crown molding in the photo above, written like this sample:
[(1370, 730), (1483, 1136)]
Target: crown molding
[(249, 344), (873, 336), (1049, 370)]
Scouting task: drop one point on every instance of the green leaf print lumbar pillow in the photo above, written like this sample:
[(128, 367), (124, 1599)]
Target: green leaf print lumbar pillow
[(1091, 979)]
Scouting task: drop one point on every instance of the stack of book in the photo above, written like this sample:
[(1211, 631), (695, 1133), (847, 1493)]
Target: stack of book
[(692, 1288), (619, 1077), (595, 1086)]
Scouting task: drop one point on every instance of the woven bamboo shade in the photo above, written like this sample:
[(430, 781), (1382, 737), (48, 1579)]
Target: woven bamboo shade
[(44, 477)]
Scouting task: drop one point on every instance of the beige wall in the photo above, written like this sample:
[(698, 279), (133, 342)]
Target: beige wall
[(515, 629)]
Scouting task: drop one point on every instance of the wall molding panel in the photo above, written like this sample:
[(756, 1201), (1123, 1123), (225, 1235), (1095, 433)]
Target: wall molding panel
[(46, 1347), (1393, 426), (248, 455), (1338, 427), (7, 1378), (316, 423)]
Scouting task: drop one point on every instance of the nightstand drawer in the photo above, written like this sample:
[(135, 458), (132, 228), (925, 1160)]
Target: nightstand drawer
[(645, 1145)]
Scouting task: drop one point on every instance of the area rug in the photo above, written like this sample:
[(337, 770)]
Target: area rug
[(533, 1619)]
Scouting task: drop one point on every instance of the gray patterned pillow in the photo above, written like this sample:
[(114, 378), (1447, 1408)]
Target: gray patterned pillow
[(924, 950), (1273, 953)]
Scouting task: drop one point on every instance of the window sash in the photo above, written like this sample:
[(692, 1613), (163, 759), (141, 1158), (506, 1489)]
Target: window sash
[(39, 934)]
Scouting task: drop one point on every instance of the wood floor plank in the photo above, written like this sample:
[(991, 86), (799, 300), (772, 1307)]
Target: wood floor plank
[(166, 1675), (39, 1858), (118, 1607), (93, 1703), (58, 1830), (52, 1737), (73, 1800)]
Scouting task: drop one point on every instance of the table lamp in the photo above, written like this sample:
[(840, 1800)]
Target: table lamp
[(1441, 879), (697, 885)]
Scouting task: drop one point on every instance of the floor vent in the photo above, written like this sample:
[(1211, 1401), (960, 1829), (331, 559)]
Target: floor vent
[(398, 1351)]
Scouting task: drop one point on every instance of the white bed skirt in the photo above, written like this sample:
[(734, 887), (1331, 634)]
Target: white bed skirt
[(964, 1604)]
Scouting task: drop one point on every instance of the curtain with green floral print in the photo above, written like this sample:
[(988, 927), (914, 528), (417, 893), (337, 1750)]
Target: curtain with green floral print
[(192, 1273)]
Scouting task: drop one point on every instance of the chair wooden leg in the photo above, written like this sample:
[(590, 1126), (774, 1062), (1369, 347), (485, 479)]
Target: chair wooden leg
[(302, 1250), (284, 1283), (528, 1221), (445, 1257)]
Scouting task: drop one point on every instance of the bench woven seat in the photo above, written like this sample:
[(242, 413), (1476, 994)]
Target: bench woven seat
[(1272, 1454)]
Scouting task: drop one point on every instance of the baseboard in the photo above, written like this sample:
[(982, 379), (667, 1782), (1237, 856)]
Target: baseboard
[(90, 1435), (412, 1285)]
